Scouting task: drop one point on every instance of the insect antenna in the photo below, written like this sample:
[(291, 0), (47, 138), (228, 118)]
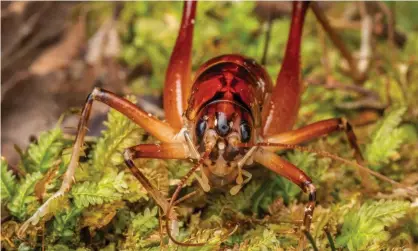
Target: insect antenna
[(174, 201), (334, 157), (268, 24), (175, 195)]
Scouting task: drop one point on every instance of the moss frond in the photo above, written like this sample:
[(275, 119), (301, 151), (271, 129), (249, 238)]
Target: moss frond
[(47, 150), (91, 193), (364, 227), (140, 234), (386, 138), (120, 134), (8, 182), (260, 238), (24, 196)]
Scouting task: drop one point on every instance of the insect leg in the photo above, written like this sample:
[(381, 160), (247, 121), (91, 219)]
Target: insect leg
[(316, 130), (281, 109), (178, 76), (321, 128), (155, 151), (157, 128), (289, 171)]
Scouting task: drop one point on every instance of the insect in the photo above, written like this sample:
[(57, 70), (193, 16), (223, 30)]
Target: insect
[(229, 117)]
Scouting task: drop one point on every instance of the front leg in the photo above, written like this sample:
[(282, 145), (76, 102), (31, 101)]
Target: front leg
[(155, 151), (155, 127), (289, 171)]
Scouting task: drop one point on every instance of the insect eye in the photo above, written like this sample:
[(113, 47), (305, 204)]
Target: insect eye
[(245, 132), (201, 128)]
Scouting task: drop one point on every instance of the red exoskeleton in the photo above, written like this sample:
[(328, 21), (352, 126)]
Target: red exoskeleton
[(229, 117)]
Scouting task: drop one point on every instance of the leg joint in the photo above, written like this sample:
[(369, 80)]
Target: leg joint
[(96, 91), (94, 94), (311, 190), (100, 94), (128, 156), (344, 125), (127, 153)]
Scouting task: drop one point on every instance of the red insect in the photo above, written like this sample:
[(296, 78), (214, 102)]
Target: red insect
[(228, 118)]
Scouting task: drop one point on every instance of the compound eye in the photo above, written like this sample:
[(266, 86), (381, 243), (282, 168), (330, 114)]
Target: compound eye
[(245, 132), (201, 128)]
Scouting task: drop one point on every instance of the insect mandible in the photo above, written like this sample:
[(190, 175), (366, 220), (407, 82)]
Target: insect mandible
[(229, 117)]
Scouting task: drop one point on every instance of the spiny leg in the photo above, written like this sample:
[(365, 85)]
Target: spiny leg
[(178, 76), (326, 154), (155, 151), (281, 109), (289, 171), (155, 127), (163, 151), (316, 130), (321, 128)]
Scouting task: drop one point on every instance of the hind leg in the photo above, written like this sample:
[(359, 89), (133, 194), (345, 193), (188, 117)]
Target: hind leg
[(281, 109), (178, 79)]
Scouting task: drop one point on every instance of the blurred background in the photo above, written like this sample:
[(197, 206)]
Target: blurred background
[(53, 53)]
